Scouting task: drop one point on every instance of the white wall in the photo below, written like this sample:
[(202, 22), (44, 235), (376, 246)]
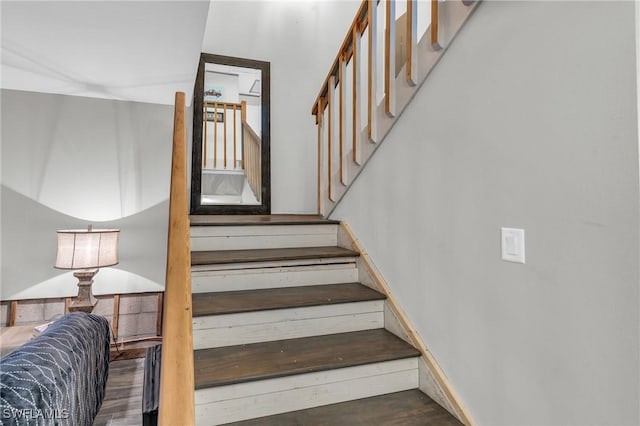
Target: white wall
[(528, 121), (142, 51), (300, 39), (70, 161)]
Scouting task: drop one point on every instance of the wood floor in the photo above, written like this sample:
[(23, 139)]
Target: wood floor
[(258, 361), (228, 302), (122, 404), (408, 408), (216, 257)]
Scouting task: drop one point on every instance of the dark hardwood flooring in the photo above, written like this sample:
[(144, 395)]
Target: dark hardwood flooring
[(268, 255), (274, 219), (122, 404), (243, 363), (408, 408), (229, 302)]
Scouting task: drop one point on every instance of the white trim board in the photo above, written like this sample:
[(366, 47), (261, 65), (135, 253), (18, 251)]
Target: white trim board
[(262, 237), (273, 264), (262, 326), (275, 277)]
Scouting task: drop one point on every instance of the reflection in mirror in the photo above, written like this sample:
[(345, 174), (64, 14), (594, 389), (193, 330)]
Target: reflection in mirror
[(231, 136)]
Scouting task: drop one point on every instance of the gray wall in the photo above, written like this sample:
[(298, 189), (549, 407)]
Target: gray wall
[(68, 162), (528, 121)]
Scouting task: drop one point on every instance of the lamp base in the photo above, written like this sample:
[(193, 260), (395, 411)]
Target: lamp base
[(84, 302)]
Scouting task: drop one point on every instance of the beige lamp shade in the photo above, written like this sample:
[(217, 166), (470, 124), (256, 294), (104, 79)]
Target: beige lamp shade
[(87, 248)]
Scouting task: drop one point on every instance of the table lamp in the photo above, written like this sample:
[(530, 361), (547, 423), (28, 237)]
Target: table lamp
[(86, 250)]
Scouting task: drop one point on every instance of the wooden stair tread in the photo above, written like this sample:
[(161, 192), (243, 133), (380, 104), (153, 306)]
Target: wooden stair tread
[(228, 302), (258, 361), (268, 255), (406, 408), (248, 220)]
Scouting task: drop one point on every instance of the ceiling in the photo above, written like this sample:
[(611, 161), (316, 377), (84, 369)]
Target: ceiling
[(140, 51)]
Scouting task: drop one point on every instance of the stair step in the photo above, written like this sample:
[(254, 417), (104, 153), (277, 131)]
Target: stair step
[(248, 400), (253, 316), (259, 361), (248, 220), (407, 408), (229, 302), (217, 257)]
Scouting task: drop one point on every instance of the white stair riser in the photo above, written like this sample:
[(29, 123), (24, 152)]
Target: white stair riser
[(253, 327), (273, 277), (273, 264), (262, 237), (243, 401)]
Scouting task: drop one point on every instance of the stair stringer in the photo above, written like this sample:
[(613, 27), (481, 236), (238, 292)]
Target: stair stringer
[(432, 380)]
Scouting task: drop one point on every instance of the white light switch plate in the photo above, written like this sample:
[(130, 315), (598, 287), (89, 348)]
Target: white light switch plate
[(512, 244)]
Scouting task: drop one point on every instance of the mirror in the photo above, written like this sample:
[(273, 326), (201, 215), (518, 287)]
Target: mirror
[(230, 171)]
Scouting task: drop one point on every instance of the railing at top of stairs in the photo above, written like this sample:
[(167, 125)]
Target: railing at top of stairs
[(405, 61)]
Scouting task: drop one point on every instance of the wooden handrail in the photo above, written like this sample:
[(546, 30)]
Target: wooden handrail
[(224, 105), (359, 24), (333, 115), (177, 405)]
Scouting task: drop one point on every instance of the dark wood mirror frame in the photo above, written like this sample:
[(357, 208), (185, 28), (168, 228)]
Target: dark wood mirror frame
[(196, 159)]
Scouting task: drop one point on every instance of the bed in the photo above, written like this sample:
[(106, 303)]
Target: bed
[(59, 377)]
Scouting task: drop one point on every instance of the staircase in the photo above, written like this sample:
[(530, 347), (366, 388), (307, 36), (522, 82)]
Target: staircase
[(282, 325), (345, 142)]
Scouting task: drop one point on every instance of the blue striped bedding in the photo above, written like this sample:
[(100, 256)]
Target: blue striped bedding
[(59, 377)]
